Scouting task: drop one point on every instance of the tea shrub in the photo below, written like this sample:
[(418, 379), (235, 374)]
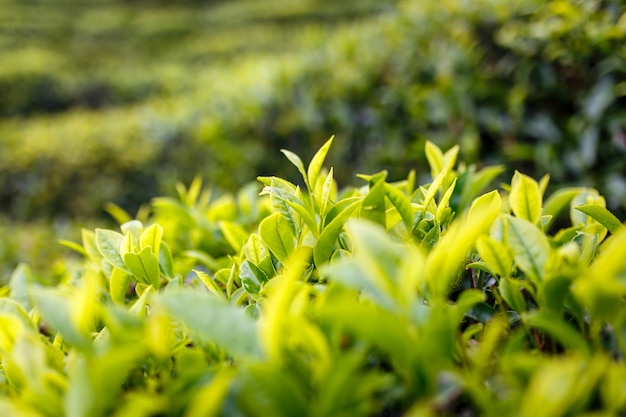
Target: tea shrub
[(390, 298), (532, 84)]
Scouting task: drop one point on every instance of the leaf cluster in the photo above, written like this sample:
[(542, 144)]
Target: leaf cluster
[(390, 298)]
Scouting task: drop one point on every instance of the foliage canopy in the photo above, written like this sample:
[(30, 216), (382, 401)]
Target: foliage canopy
[(392, 298)]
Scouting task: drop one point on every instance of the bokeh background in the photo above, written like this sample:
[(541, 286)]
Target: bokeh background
[(117, 100)]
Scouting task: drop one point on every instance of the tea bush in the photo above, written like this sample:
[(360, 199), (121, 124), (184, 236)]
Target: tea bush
[(537, 86), (389, 298)]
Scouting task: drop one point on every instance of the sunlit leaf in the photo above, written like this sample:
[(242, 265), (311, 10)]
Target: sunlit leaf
[(602, 215), (278, 236), (525, 198), (529, 245), (317, 162)]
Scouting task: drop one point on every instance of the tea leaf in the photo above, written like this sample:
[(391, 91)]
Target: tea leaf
[(109, 244), (55, 310), (326, 242), (118, 285), (559, 329), (152, 237), (434, 155), (325, 195), (166, 263), (495, 254), (295, 159), (316, 164), (252, 277), (373, 207), (209, 283), (602, 215), (557, 202), (235, 235), (529, 246), (402, 203), (525, 198), (213, 320), (511, 292), (144, 266), (278, 236)]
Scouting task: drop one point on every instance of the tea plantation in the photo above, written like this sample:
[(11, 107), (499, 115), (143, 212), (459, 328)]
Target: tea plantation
[(181, 238)]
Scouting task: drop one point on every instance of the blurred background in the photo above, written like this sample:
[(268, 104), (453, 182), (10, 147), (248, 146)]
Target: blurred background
[(117, 100)]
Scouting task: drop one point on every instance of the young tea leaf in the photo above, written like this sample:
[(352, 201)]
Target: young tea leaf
[(525, 198), (297, 162), (278, 236), (326, 242), (529, 245), (316, 164), (118, 285), (495, 254), (602, 215), (212, 320), (144, 266), (109, 244), (402, 203), (152, 237)]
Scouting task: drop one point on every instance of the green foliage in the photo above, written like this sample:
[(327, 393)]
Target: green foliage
[(390, 298), (535, 85)]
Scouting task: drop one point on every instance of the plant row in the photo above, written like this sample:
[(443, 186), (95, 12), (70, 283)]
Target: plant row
[(538, 86), (391, 298)]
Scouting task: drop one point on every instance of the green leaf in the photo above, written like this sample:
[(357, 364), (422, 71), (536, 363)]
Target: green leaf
[(91, 248), (325, 194), (402, 203), (529, 245), (446, 260), (557, 328), (21, 280), (16, 310), (213, 320), (118, 285), (54, 310), (434, 156), (326, 242), (445, 199), (475, 182), (316, 164), (73, 245), (486, 206), (291, 200), (119, 214), (209, 283), (525, 198), (295, 159), (602, 215), (373, 207), (166, 263), (255, 249), (235, 235), (144, 266), (511, 292), (109, 244), (252, 277), (558, 201), (278, 236), (495, 254), (152, 237)]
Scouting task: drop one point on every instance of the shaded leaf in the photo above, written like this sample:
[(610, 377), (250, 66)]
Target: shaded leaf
[(213, 320)]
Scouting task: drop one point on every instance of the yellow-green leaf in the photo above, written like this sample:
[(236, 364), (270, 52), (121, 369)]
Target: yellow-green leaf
[(525, 198)]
